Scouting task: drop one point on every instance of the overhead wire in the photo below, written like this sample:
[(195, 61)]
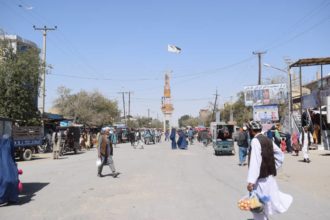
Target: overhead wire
[(275, 43), (186, 77), (315, 25), (59, 36)]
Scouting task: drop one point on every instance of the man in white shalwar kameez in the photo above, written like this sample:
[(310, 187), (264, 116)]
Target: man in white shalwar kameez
[(264, 159), (306, 139)]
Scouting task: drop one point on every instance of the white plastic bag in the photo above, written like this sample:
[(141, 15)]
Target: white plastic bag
[(98, 162), (251, 202)]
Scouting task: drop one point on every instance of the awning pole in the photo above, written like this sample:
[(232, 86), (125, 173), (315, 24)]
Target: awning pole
[(321, 129), (300, 86)]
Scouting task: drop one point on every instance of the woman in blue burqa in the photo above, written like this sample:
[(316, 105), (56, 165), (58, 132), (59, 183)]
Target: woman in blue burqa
[(182, 141), (172, 137), (8, 172)]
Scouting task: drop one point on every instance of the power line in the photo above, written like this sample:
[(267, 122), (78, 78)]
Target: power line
[(301, 33), (60, 38), (215, 71), (107, 79), (153, 99), (294, 26), (188, 77)]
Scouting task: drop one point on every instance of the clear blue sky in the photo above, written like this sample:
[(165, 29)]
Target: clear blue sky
[(127, 40)]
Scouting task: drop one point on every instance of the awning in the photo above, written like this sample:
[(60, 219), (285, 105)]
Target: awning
[(311, 62)]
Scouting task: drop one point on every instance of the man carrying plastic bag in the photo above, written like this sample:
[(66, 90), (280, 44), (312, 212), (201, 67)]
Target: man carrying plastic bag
[(265, 157)]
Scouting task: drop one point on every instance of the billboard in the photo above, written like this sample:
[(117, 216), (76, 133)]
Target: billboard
[(265, 113), (265, 94)]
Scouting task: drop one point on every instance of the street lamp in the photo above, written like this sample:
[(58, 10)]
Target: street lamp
[(290, 89)]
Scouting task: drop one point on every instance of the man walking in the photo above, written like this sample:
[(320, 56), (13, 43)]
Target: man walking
[(306, 139), (105, 153), (243, 145), (167, 135), (191, 136), (139, 139), (56, 139), (113, 138), (265, 158)]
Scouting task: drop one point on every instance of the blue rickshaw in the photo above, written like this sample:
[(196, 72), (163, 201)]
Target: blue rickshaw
[(223, 142)]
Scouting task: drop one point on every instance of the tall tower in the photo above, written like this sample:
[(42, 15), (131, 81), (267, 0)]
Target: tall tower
[(167, 107)]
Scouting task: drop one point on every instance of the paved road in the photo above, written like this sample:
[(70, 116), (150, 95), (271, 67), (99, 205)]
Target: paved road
[(158, 183)]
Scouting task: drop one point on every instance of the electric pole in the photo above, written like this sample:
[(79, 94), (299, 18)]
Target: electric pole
[(288, 63), (129, 102), (259, 59), (43, 74), (148, 112), (215, 105), (231, 109), (123, 94)]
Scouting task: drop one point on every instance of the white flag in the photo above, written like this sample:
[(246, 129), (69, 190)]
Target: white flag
[(173, 49)]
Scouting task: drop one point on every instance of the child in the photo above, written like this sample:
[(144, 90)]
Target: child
[(283, 145), (295, 144)]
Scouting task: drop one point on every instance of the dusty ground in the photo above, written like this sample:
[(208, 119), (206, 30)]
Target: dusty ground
[(159, 183)]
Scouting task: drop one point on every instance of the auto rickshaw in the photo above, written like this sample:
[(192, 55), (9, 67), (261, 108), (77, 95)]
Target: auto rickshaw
[(70, 139), (149, 137), (222, 137)]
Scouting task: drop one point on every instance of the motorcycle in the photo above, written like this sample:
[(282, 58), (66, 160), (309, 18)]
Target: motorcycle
[(205, 142), (45, 146)]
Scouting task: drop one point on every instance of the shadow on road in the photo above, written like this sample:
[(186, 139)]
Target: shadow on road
[(39, 158), (72, 153), (29, 191), (111, 174), (33, 158), (302, 161), (62, 158), (326, 154)]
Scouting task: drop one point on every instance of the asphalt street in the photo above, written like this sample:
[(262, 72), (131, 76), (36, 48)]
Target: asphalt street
[(160, 183)]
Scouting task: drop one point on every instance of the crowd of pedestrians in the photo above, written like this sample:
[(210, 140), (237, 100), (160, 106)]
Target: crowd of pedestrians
[(262, 152)]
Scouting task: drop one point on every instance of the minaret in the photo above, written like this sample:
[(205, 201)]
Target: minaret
[(167, 107)]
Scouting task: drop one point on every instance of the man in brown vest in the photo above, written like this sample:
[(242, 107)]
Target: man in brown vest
[(105, 153), (265, 157)]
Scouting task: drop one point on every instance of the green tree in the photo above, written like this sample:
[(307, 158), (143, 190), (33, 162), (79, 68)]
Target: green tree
[(144, 122), (241, 113), (19, 83), (155, 123), (87, 107), (187, 120), (183, 119)]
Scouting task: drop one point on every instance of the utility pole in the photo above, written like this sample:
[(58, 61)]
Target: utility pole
[(259, 58), (148, 112), (129, 102), (215, 105), (231, 109), (43, 74), (288, 62), (123, 94)]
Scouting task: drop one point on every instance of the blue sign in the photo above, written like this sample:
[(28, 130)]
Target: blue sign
[(26, 143)]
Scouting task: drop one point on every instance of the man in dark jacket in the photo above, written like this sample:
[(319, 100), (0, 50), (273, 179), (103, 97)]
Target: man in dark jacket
[(105, 153), (243, 145)]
